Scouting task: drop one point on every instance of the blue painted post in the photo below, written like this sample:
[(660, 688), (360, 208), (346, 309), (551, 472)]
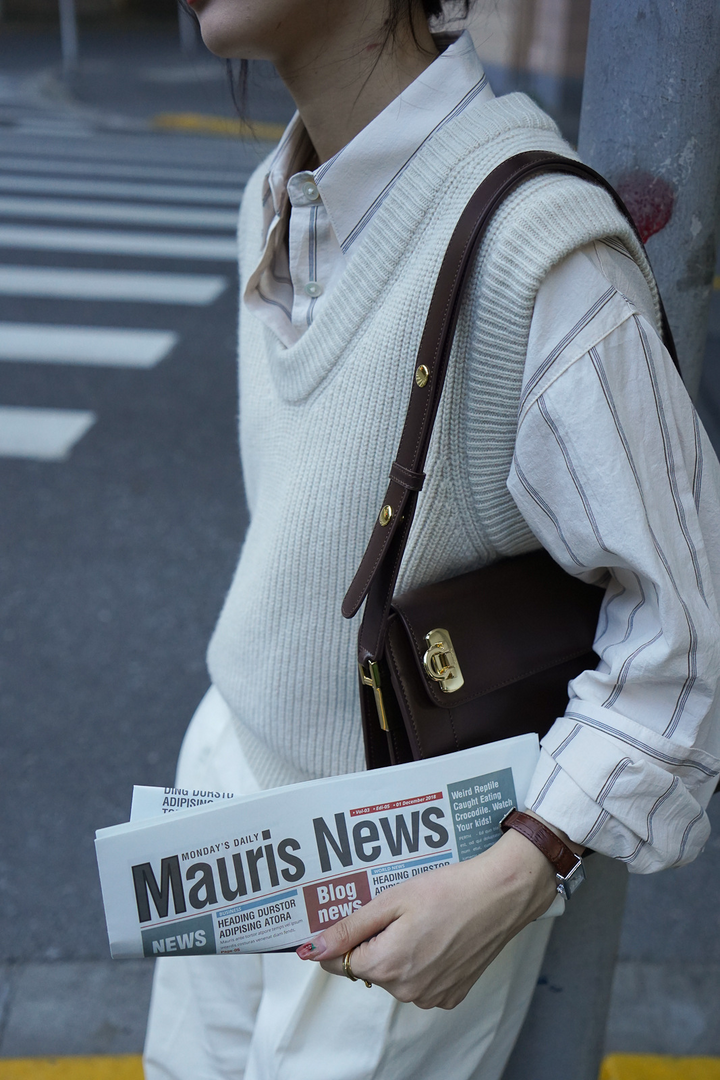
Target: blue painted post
[(651, 123), (68, 36)]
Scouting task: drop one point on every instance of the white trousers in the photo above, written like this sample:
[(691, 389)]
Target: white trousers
[(275, 1017)]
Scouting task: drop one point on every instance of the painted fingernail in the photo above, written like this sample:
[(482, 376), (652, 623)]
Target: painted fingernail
[(312, 950)]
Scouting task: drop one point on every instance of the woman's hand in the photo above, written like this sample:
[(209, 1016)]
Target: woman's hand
[(428, 940)]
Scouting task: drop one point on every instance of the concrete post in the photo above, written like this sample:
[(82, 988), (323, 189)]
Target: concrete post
[(68, 36), (564, 1033), (651, 123)]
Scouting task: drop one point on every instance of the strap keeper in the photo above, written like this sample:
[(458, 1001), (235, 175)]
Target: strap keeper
[(407, 478)]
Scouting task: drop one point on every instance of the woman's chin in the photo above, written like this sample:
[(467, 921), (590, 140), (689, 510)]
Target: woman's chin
[(224, 38), (219, 42)]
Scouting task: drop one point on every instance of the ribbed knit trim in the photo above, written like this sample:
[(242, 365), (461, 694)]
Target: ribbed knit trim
[(545, 221)]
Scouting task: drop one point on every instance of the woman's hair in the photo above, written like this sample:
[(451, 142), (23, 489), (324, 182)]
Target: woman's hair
[(399, 13)]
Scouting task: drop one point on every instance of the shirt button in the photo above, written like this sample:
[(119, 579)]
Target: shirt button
[(310, 191), (313, 288)]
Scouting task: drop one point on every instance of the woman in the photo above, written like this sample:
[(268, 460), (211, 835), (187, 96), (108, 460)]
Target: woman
[(341, 236)]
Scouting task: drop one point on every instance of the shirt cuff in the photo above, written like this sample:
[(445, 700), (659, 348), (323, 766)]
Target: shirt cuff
[(623, 791)]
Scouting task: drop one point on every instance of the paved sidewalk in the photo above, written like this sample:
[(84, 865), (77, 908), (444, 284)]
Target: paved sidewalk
[(73, 1007)]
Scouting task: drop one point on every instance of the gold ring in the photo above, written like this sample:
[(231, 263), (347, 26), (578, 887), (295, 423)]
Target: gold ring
[(348, 972)]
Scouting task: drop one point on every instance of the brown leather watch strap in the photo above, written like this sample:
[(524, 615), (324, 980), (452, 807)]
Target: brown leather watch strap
[(553, 848)]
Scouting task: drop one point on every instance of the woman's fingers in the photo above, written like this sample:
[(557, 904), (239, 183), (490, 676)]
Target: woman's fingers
[(330, 947)]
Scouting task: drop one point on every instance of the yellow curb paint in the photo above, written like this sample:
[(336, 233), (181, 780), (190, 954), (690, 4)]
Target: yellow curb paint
[(199, 124), (648, 1067), (129, 1067), (123, 1067), (716, 281)]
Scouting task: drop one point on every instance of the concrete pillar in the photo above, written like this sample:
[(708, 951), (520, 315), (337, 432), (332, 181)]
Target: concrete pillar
[(564, 1033), (651, 123)]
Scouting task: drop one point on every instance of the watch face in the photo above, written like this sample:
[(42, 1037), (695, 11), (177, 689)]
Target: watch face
[(566, 886)]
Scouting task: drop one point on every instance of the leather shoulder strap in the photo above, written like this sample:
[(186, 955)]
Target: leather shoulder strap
[(378, 570)]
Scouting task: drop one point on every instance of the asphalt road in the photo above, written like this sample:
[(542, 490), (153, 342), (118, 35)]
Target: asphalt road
[(114, 561)]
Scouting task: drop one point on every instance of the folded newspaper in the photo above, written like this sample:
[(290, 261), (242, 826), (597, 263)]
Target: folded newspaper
[(198, 871)]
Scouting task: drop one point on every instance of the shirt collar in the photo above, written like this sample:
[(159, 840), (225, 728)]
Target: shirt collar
[(354, 183), (293, 153)]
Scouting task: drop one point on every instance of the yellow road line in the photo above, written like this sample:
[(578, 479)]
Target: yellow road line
[(649, 1067), (716, 281), (129, 1067), (200, 124), (122, 1067)]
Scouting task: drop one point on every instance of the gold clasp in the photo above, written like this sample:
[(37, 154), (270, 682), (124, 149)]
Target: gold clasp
[(441, 663), (373, 680)]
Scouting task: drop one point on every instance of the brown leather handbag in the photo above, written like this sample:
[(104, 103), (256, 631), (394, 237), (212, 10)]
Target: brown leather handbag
[(488, 654)]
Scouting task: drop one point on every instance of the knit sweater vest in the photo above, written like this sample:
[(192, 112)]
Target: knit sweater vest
[(320, 423)]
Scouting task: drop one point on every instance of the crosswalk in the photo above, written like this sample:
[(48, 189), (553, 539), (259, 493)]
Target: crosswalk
[(125, 230)]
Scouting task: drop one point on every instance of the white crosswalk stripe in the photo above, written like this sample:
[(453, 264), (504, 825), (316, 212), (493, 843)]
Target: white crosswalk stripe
[(52, 125), (128, 149), (41, 434), (159, 245), (117, 183), (136, 285), (58, 167), (107, 347), (29, 120), (132, 213), (126, 190)]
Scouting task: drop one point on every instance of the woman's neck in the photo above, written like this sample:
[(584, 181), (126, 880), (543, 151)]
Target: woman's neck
[(348, 77)]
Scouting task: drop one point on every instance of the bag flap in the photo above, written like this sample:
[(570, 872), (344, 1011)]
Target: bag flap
[(507, 621)]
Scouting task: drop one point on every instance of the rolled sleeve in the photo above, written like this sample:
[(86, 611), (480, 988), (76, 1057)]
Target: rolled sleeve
[(611, 789)]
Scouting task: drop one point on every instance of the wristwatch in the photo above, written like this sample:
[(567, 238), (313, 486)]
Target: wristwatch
[(569, 869)]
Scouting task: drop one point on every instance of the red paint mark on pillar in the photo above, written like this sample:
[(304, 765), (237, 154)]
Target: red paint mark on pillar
[(650, 200)]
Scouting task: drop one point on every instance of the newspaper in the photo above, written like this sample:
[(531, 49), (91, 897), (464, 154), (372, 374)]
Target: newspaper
[(153, 802), (198, 872)]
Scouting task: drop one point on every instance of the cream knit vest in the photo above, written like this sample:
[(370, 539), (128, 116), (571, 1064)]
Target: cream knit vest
[(320, 422)]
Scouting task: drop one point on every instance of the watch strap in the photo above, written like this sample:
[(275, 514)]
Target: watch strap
[(553, 848)]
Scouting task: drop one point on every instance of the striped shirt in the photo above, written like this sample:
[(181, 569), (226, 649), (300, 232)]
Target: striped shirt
[(616, 477), (612, 472)]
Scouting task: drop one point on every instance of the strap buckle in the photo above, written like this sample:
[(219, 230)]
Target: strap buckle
[(372, 679)]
